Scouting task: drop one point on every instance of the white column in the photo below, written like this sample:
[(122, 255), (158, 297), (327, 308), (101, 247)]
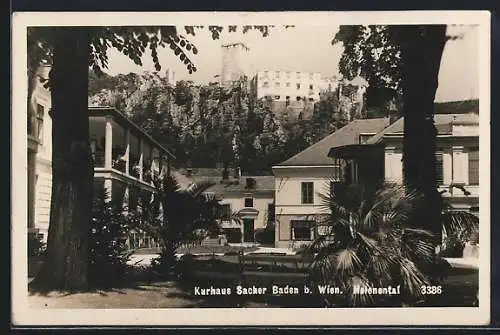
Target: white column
[(127, 151), (160, 164), (126, 200), (151, 164), (447, 168), (141, 159), (108, 146), (388, 163), (460, 165)]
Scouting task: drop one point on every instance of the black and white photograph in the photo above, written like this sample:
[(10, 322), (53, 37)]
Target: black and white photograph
[(210, 168)]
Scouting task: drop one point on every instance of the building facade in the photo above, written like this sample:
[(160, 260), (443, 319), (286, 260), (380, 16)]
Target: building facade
[(291, 86), (457, 157), (39, 155), (301, 180), (246, 202), (125, 159), (369, 152)]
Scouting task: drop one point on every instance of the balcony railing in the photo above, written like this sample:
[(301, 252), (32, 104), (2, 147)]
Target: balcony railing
[(134, 167)]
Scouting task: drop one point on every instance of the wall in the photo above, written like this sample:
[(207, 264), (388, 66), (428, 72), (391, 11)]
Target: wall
[(260, 202), (43, 161), (232, 63), (455, 152), (288, 198)]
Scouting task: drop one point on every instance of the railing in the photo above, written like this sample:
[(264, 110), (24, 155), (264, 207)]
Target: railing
[(134, 167), (119, 165)]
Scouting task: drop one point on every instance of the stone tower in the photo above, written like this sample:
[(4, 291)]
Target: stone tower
[(233, 64)]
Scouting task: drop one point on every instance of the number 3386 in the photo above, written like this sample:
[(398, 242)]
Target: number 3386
[(431, 289)]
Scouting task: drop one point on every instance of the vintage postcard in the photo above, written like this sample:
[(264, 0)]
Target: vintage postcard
[(286, 168)]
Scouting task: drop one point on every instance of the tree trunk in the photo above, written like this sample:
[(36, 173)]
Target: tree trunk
[(422, 48), (66, 262)]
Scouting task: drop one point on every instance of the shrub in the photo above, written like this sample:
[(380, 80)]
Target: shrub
[(264, 235), (109, 227), (452, 246), (233, 235), (370, 243), (36, 246)]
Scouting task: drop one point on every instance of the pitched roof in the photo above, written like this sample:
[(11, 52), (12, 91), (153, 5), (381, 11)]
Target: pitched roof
[(317, 154), (457, 107), (443, 123), (262, 184)]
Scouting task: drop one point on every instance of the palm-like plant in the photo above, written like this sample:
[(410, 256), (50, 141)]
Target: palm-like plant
[(459, 226), (369, 243), (177, 215)]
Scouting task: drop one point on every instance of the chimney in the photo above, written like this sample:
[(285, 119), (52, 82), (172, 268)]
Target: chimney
[(225, 174), (250, 183)]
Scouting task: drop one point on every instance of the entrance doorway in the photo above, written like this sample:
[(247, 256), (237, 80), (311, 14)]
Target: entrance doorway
[(248, 230)]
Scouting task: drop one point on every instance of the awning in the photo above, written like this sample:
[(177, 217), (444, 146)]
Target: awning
[(248, 212), (356, 151)]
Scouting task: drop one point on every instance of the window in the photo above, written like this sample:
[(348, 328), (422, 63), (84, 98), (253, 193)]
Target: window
[(474, 167), (298, 75), (439, 168), (277, 84), (287, 84), (277, 74), (225, 211), (266, 73), (39, 119), (248, 202), (307, 192), (265, 84), (298, 98), (311, 86), (311, 75), (288, 74), (298, 86), (311, 99), (301, 230)]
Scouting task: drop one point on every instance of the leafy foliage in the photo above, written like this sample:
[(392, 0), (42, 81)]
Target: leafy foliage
[(373, 53), (207, 125), (369, 242), (109, 229), (36, 246), (459, 228), (178, 216)]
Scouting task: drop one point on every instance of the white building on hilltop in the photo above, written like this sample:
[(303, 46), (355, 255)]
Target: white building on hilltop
[(291, 85)]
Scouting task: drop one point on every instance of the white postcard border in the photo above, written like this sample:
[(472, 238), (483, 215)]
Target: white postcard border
[(23, 315)]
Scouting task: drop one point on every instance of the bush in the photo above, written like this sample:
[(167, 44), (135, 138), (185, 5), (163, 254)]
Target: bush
[(108, 259), (265, 235), (36, 246), (452, 246), (233, 235)]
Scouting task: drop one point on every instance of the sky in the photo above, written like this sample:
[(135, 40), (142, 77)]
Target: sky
[(307, 48)]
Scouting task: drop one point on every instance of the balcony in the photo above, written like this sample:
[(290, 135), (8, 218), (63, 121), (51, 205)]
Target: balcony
[(121, 150)]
